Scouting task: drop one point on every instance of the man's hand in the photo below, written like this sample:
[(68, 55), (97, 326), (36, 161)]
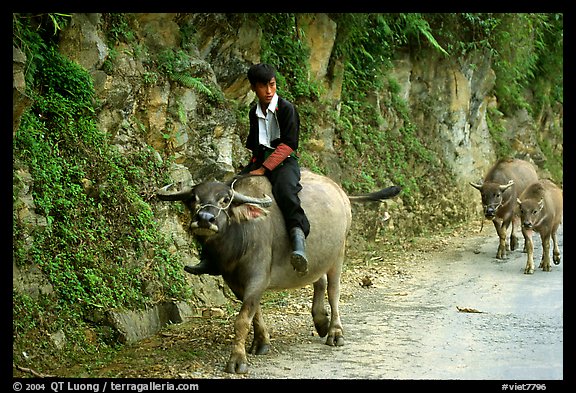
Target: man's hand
[(258, 172)]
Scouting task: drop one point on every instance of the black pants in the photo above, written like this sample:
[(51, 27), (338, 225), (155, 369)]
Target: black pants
[(285, 180)]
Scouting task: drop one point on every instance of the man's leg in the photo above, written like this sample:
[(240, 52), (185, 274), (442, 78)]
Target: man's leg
[(285, 181), (298, 259)]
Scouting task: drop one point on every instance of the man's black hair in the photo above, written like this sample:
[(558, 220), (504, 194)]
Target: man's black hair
[(261, 73)]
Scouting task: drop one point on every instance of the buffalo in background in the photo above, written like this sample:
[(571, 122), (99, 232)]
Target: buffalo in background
[(501, 187), (541, 208)]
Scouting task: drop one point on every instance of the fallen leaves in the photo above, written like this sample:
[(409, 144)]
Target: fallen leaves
[(468, 310)]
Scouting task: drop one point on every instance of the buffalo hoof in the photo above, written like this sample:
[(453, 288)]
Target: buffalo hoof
[(528, 271), (259, 348), (335, 341), (234, 367)]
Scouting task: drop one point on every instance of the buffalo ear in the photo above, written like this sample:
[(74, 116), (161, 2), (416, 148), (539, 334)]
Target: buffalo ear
[(248, 211)]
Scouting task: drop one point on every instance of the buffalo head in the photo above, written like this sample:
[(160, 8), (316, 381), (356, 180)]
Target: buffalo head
[(215, 204), (530, 211), (491, 196)]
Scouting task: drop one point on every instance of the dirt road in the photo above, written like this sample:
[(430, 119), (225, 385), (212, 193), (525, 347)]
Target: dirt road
[(458, 314), (442, 308)]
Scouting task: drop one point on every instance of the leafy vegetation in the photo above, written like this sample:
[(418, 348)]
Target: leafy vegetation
[(176, 65), (283, 46), (366, 44), (529, 73), (101, 247)]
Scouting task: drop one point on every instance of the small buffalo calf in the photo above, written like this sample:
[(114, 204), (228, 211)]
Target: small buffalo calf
[(541, 206)]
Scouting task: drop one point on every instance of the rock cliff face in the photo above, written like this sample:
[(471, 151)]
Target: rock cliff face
[(447, 100), (192, 115)]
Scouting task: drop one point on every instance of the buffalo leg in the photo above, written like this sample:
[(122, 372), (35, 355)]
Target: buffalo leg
[(545, 263), (556, 253), (237, 363), (529, 269), (513, 237), (501, 229), (261, 343), (513, 242), (319, 313), (336, 332)]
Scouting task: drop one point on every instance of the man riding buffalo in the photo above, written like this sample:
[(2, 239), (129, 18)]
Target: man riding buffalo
[(273, 139)]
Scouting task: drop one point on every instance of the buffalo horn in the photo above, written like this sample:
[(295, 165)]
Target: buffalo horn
[(506, 186), (478, 186), (165, 195), (241, 198)]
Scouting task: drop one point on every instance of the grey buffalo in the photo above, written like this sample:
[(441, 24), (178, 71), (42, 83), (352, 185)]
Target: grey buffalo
[(243, 231), (502, 185), (541, 206)]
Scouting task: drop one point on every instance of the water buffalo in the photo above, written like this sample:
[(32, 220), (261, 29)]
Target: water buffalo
[(541, 206), (243, 231), (501, 187)]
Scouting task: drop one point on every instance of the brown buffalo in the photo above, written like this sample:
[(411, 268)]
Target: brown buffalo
[(541, 206), (246, 237), (501, 187)]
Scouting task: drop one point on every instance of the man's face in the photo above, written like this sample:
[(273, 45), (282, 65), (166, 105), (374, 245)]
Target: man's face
[(265, 92)]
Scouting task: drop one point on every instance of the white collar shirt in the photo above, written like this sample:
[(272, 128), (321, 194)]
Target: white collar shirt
[(268, 127)]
